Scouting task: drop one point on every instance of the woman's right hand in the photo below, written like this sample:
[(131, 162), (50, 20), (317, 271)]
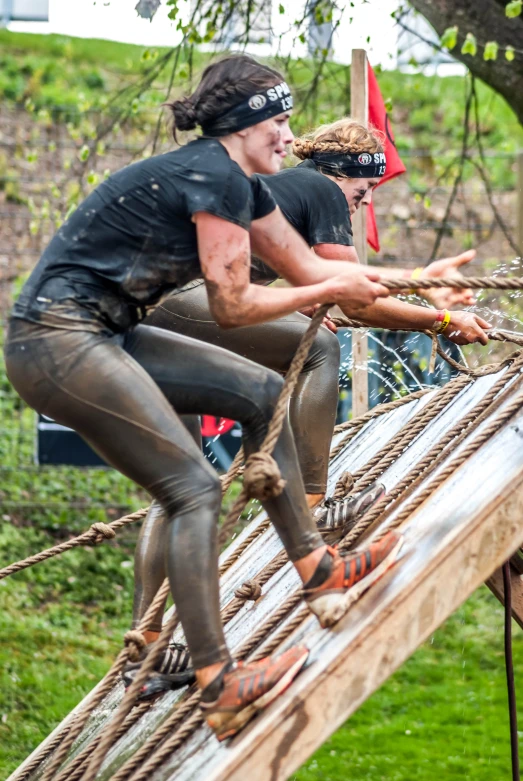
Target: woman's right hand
[(356, 289), (466, 328)]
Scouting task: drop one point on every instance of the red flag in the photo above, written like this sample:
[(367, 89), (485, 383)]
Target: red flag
[(379, 119)]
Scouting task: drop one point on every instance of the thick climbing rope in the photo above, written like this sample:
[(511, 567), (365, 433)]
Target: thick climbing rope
[(461, 283), (96, 534), (99, 532), (389, 454), (134, 644)]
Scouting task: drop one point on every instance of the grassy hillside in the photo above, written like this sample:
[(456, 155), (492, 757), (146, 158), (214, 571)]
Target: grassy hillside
[(41, 72)]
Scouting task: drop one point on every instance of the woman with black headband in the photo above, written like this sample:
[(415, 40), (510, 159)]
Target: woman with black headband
[(342, 164), (77, 351)]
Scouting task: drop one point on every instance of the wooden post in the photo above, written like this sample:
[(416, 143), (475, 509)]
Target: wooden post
[(519, 215), (359, 109)]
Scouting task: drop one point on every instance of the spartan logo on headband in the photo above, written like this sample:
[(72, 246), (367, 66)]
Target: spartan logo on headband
[(365, 165), (257, 102), (256, 108)]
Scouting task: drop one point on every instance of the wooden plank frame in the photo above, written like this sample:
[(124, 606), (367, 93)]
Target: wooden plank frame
[(359, 108)]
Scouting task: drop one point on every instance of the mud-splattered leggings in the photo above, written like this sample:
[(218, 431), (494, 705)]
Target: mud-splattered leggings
[(120, 394), (312, 408)]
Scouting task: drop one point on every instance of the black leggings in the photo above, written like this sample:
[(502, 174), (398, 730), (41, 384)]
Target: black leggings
[(120, 393), (314, 403)]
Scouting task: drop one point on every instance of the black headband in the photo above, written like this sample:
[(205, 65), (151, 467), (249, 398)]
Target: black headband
[(264, 105), (365, 165)]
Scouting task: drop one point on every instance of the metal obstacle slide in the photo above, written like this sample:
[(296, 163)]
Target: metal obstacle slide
[(455, 540)]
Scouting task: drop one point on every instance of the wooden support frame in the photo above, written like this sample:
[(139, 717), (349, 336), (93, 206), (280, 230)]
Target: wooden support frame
[(359, 107)]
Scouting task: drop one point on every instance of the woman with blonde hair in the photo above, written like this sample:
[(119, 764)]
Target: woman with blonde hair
[(341, 165)]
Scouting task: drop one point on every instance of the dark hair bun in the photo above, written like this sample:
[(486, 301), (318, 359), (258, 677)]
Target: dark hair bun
[(184, 113)]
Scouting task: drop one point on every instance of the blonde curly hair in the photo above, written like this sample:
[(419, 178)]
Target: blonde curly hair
[(345, 135)]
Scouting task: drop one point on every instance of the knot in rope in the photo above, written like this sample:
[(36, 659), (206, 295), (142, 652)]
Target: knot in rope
[(262, 478), (251, 589), (344, 485), (135, 642), (103, 532)]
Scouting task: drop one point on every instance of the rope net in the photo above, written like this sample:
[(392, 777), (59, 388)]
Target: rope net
[(261, 480)]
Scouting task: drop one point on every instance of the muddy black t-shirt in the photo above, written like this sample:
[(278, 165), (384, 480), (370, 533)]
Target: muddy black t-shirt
[(313, 204), (132, 240)]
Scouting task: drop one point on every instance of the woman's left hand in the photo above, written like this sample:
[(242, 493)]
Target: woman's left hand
[(327, 320), (447, 297)]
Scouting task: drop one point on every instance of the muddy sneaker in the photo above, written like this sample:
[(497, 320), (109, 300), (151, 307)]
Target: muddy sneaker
[(241, 690), (174, 670), (341, 514), (340, 581)]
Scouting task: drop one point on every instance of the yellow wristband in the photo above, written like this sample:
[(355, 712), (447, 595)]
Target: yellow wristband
[(441, 324)]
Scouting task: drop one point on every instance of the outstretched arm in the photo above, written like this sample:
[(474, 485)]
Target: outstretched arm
[(464, 327), (224, 252)]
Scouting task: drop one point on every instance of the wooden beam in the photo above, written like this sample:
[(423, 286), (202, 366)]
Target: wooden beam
[(359, 108)]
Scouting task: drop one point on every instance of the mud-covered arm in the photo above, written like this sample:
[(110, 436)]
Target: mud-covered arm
[(224, 251)]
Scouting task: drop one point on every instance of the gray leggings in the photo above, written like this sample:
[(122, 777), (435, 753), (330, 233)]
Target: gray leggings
[(122, 393), (312, 408)]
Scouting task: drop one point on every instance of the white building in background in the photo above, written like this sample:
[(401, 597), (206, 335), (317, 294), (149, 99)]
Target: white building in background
[(365, 24), (24, 11)]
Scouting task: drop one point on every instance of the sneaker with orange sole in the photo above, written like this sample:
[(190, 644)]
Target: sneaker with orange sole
[(241, 690), (350, 576)]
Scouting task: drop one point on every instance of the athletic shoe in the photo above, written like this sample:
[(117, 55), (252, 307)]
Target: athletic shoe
[(341, 514), (173, 671), (349, 577), (241, 690)]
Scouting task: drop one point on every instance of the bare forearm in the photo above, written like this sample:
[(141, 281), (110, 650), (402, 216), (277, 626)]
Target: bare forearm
[(391, 313), (257, 304)]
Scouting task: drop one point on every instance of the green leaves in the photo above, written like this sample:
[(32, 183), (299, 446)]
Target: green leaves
[(470, 45), (513, 8), (449, 38), (83, 154), (509, 53), (491, 50)]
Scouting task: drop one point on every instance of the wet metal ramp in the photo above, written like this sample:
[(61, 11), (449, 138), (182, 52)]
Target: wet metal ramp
[(454, 541)]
